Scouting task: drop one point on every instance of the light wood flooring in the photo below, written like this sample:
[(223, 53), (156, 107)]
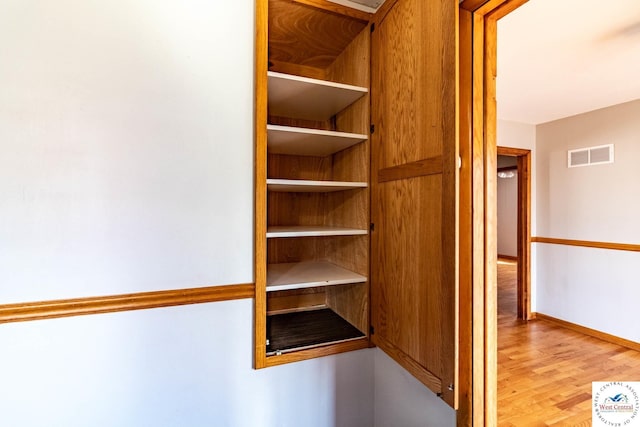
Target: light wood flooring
[(545, 371)]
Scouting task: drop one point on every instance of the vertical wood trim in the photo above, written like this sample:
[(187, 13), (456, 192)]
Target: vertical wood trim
[(450, 206), (464, 416), (491, 235), (524, 236), (484, 170), (523, 228), (479, 368), (493, 10), (260, 221)]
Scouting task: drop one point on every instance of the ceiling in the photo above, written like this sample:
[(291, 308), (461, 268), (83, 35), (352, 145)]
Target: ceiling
[(561, 58)]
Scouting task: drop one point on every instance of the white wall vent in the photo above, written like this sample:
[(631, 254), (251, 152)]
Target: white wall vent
[(590, 156)]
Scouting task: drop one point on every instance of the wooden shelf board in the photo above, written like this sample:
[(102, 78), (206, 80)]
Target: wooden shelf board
[(309, 142), (307, 329), (311, 231), (308, 274), (302, 186), (310, 99)]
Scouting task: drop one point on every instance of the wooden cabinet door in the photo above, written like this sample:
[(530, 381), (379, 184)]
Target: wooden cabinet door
[(414, 184)]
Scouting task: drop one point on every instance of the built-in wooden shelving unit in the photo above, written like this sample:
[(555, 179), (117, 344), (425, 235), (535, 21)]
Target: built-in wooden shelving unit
[(309, 274), (315, 293), (299, 141), (311, 99), (312, 231), (305, 186)]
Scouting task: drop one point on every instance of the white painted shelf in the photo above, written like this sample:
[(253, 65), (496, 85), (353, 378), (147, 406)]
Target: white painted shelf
[(304, 98), (308, 274), (311, 231), (309, 142), (301, 186)]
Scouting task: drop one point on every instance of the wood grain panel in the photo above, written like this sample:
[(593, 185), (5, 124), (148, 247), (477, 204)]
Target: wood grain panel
[(588, 244), (524, 236), (424, 167), (114, 303), (465, 313), (352, 66), (310, 168), (295, 300), (297, 69), (408, 298), (414, 242), (351, 303), (260, 183), (409, 108), (490, 221), (480, 372), (312, 124), (305, 35)]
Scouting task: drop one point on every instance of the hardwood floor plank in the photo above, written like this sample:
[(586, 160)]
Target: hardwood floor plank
[(545, 371)]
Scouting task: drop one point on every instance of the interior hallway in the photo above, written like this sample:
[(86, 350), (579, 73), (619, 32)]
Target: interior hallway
[(545, 371)]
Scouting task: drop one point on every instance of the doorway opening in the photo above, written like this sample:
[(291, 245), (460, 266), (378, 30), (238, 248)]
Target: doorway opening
[(522, 172), (478, 235)]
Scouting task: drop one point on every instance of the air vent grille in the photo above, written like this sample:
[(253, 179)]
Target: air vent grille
[(590, 156)]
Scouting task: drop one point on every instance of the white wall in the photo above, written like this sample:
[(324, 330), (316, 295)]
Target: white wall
[(508, 216), (523, 135), (507, 210), (127, 166), (402, 401), (180, 366), (591, 287), (126, 140)]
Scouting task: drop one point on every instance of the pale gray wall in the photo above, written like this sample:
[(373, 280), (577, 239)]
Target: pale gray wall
[(591, 287), (402, 401)]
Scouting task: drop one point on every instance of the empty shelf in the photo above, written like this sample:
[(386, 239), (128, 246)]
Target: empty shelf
[(309, 142), (300, 330), (301, 186), (311, 231), (308, 274), (310, 99)]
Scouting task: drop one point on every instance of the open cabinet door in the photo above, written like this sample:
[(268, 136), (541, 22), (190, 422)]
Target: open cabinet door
[(414, 189)]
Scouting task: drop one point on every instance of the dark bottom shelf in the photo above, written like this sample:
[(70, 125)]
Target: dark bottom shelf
[(290, 331)]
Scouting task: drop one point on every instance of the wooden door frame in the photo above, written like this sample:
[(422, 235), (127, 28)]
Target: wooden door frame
[(523, 158), (478, 326)]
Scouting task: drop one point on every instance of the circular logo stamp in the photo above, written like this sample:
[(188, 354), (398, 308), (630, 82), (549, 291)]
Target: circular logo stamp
[(616, 403)]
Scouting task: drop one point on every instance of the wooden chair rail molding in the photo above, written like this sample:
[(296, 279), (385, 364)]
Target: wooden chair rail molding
[(590, 332), (22, 312), (587, 244)]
